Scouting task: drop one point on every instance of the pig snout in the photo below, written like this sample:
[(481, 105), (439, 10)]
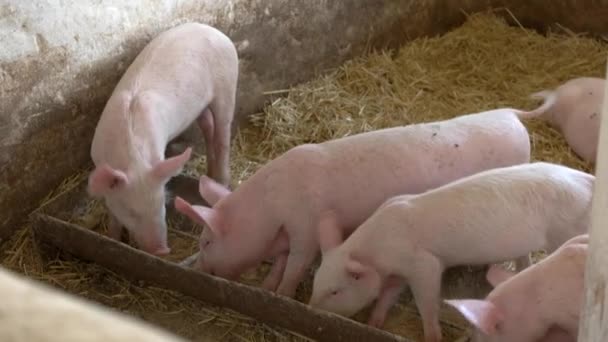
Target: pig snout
[(201, 266), (318, 304), (219, 272), (152, 243), (313, 301), (207, 269), (161, 251), (157, 250)]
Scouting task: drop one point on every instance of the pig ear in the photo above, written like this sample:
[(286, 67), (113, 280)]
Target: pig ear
[(199, 214), (329, 232), (497, 274), (164, 170), (579, 239), (211, 191), (356, 269), (483, 314), (104, 179)]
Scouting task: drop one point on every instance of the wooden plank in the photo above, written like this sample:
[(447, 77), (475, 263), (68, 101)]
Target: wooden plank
[(594, 316), (256, 303)]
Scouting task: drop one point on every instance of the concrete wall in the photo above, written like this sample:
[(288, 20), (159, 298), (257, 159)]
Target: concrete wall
[(59, 61)]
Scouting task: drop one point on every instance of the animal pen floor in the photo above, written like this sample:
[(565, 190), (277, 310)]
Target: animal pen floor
[(481, 65)]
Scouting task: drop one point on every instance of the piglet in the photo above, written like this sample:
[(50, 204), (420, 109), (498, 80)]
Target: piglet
[(544, 299), (489, 217), (275, 213), (575, 108), (186, 74)]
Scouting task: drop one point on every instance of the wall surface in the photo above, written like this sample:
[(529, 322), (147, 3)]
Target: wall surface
[(588, 16), (60, 60)]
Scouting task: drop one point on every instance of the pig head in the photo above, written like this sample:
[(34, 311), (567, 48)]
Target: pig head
[(136, 197), (490, 320), (218, 236), (342, 284), (501, 323)]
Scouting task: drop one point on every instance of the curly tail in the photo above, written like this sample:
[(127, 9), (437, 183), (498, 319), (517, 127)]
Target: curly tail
[(549, 97)]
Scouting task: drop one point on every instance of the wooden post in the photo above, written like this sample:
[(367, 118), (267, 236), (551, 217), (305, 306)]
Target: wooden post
[(594, 316), (32, 311)]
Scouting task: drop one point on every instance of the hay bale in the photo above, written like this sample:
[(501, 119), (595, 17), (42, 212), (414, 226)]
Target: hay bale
[(482, 65)]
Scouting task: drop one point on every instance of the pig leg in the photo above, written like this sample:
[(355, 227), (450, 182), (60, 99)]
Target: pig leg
[(205, 122), (579, 239), (280, 249), (222, 108), (388, 296), (425, 282), (273, 278), (298, 261)]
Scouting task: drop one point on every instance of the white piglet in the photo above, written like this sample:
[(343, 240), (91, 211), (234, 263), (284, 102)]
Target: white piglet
[(575, 108), (489, 217), (186, 74), (542, 303)]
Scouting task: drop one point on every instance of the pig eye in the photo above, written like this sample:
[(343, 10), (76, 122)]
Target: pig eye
[(335, 292), (206, 243)]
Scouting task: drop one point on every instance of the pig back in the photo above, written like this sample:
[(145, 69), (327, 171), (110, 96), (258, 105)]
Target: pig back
[(180, 72), (180, 58), (363, 170), (503, 213)]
